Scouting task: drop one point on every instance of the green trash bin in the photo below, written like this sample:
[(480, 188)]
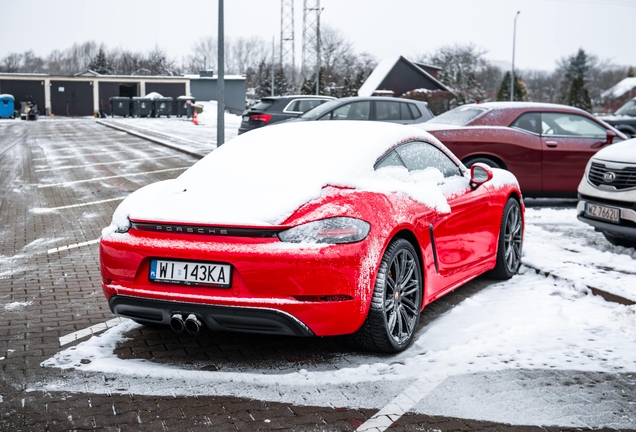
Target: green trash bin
[(142, 106), (163, 106)]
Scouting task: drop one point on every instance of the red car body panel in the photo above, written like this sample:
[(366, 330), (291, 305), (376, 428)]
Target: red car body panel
[(328, 289), (544, 165)]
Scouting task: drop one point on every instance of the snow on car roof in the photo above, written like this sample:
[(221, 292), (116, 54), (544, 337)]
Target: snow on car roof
[(261, 177)]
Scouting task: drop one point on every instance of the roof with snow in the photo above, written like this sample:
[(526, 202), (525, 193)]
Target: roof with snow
[(399, 75), (621, 88)]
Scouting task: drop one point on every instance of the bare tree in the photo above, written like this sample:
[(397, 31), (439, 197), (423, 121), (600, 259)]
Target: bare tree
[(462, 67), (12, 63)]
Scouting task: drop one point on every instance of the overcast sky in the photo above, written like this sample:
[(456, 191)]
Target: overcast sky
[(546, 29)]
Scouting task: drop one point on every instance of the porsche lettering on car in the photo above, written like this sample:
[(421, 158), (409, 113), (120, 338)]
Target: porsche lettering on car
[(312, 229)]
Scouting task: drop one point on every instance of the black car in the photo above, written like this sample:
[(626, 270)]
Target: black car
[(624, 119), (278, 108), (390, 109)]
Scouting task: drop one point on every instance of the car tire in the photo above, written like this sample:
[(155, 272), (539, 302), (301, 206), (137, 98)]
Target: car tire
[(490, 162), (619, 241), (397, 298), (510, 242)]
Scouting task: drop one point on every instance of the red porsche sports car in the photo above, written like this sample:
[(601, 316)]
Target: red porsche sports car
[(546, 146), (312, 228)]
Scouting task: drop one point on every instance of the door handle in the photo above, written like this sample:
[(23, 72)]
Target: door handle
[(551, 144)]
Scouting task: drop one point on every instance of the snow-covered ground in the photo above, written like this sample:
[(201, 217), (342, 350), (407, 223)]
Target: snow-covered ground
[(474, 361), (531, 322), (195, 137)]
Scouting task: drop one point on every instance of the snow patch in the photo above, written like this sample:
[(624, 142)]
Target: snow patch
[(16, 306)]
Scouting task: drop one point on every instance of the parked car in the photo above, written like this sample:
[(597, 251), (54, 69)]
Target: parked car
[(624, 119), (378, 108), (274, 109), (311, 229), (546, 146), (607, 193)]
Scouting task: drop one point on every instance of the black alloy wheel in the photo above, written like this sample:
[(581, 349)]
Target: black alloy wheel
[(397, 299), (510, 241)]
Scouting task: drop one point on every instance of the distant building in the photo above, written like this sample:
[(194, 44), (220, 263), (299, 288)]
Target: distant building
[(89, 92), (400, 75), (618, 95)]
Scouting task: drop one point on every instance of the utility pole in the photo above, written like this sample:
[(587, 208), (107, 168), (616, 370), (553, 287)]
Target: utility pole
[(220, 83), (272, 66), (512, 72), (311, 10), (287, 38), (318, 50)]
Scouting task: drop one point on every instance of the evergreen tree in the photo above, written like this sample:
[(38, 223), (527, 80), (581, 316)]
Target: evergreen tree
[(577, 68), (309, 86), (264, 87), (520, 91), (579, 96), (100, 64), (348, 86), (281, 87), (630, 72), (579, 65)]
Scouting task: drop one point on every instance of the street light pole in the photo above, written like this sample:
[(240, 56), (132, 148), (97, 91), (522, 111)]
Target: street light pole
[(220, 83), (512, 72)]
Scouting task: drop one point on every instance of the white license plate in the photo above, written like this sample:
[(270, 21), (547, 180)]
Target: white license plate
[(246, 118), (191, 273), (601, 212)]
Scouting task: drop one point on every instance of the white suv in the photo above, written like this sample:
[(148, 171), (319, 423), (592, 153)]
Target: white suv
[(607, 193)]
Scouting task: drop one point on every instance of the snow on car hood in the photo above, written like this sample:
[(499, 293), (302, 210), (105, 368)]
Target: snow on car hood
[(624, 151), (261, 177)]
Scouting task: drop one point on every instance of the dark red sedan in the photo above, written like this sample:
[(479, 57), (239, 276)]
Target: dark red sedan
[(546, 146)]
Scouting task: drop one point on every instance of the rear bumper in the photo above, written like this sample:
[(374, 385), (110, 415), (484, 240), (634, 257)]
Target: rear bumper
[(325, 289), (216, 318)]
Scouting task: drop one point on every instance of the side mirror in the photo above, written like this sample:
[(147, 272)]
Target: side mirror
[(479, 174), (610, 137)]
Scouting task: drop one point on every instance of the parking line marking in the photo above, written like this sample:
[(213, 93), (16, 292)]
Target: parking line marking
[(401, 404), (104, 163), (110, 177), (97, 328), (47, 210), (76, 156), (72, 246)]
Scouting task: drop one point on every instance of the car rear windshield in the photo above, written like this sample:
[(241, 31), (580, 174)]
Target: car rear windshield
[(459, 116), (264, 104)]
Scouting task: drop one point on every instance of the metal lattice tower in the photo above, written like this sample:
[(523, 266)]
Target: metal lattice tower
[(311, 22), (287, 42)]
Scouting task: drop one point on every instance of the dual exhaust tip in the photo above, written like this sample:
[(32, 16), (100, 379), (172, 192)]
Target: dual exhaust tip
[(191, 324)]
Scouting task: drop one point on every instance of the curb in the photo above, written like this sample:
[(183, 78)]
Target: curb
[(607, 296), (152, 139)]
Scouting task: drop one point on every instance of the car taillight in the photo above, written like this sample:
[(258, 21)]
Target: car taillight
[(261, 117)]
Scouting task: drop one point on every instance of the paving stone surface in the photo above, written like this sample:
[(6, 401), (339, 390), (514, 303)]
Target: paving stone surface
[(60, 181)]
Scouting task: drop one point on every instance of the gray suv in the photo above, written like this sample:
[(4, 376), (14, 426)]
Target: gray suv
[(389, 109)]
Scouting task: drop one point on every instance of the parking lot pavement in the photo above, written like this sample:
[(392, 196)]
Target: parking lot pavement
[(60, 181)]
